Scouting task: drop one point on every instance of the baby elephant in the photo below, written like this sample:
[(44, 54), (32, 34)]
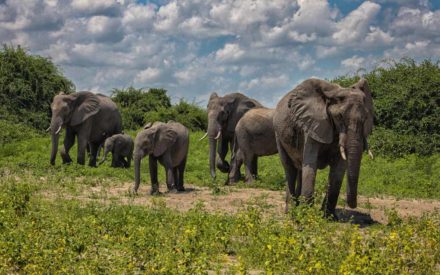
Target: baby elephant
[(166, 143), (121, 147)]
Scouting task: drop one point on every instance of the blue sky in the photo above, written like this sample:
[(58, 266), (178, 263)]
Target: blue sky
[(262, 48)]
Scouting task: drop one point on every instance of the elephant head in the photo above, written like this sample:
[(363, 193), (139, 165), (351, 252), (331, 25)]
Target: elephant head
[(70, 110), (327, 112), (109, 144), (153, 140), (223, 115)]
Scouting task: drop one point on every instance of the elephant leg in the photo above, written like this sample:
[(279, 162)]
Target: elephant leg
[(309, 167), (82, 145), (291, 174), (124, 162), (69, 140), (152, 163), (169, 172), (180, 172), (222, 164), (236, 162), (93, 154), (255, 167), (298, 185), (248, 164), (115, 160), (336, 176)]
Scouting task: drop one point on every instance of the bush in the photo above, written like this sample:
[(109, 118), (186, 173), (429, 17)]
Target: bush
[(27, 85), (406, 98), (135, 103), (189, 114)]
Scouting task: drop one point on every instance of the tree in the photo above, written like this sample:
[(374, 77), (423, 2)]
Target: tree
[(27, 85)]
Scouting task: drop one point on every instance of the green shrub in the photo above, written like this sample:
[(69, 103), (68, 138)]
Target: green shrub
[(406, 98), (189, 114), (27, 85), (135, 103)]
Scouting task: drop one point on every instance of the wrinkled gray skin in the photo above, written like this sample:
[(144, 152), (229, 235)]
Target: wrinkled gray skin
[(254, 137), (167, 143), (121, 146), (89, 117), (316, 125), (223, 115)]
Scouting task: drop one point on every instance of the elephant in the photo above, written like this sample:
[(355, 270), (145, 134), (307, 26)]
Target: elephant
[(320, 124), (254, 137), (89, 117), (167, 143), (223, 115), (121, 146)]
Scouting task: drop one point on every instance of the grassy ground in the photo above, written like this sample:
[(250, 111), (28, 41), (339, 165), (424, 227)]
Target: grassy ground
[(60, 233)]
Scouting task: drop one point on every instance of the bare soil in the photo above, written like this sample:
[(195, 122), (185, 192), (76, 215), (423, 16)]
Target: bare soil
[(233, 199)]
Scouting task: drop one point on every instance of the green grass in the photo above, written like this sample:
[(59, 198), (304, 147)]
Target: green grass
[(408, 177), (56, 233)]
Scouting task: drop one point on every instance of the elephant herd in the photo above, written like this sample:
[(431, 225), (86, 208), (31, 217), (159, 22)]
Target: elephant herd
[(317, 124)]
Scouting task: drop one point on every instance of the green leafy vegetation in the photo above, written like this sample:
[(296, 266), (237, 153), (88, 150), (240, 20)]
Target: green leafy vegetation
[(63, 218), (406, 98), (27, 85), (139, 107)]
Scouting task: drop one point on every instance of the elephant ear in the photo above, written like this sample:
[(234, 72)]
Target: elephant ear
[(368, 124), (164, 138), (242, 107), (87, 105), (308, 106)]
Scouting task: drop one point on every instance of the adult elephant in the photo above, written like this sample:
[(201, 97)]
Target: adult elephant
[(223, 115), (89, 117), (167, 143), (321, 124), (254, 137)]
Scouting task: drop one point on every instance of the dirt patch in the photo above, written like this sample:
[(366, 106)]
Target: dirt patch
[(233, 199)]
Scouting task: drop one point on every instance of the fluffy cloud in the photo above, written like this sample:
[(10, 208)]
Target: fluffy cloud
[(355, 62), (194, 47), (354, 26)]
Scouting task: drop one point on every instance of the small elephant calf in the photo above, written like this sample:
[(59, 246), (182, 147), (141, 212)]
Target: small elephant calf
[(121, 146), (167, 143)]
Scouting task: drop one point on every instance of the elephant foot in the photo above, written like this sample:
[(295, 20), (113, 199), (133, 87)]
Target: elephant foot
[(331, 216), (173, 191), (223, 166), (181, 189), (154, 192)]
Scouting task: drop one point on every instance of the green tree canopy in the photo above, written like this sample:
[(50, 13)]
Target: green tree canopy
[(406, 98), (27, 85), (135, 103)]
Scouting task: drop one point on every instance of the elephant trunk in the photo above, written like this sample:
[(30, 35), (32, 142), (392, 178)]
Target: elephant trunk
[(137, 172), (213, 134), (55, 128), (354, 155), (104, 157)]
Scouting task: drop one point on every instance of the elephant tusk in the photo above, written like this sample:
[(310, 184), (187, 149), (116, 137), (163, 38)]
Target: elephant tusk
[(218, 135), (370, 154), (59, 129), (342, 150), (204, 136), (48, 129)]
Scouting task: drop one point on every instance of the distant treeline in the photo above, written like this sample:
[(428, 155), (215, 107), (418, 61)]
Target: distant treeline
[(406, 97)]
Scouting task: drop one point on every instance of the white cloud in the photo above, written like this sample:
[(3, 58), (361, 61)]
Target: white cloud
[(230, 52), (149, 74), (193, 47), (355, 62), (355, 25)]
